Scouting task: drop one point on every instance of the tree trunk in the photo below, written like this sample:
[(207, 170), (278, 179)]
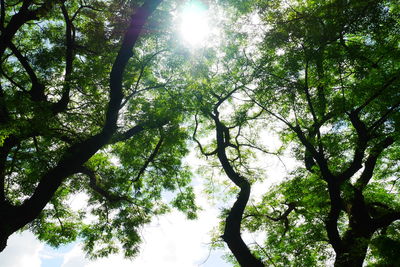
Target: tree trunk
[(355, 245), (351, 258), (3, 240), (232, 235)]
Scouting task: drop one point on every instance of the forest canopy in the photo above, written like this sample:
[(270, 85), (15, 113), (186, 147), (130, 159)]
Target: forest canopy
[(103, 98)]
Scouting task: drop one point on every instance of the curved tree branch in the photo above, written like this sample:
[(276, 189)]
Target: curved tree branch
[(37, 91), (150, 159), (62, 104), (20, 18), (232, 235), (94, 184)]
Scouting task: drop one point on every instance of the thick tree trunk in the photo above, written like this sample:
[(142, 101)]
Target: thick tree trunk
[(354, 253), (232, 235), (6, 228), (3, 240), (355, 241), (348, 259)]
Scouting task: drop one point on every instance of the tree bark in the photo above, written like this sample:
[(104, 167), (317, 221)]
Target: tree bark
[(352, 248), (354, 253), (232, 235)]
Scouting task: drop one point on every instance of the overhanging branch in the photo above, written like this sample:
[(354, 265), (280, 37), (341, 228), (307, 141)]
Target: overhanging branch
[(94, 184)]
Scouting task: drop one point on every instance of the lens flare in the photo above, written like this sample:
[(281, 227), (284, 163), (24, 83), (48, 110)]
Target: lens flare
[(194, 26)]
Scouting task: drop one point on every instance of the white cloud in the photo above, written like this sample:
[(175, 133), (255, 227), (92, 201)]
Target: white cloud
[(74, 257), (22, 250), (169, 241), (175, 241)]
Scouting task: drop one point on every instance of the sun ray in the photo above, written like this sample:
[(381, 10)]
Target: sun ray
[(194, 26)]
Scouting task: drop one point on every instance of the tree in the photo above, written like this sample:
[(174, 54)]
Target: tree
[(326, 76), (323, 75), (218, 80), (84, 109)]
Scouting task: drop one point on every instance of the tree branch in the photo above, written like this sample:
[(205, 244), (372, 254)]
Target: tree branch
[(62, 104), (317, 155), (118, 137), (124, 54), (4, 115), (150, 159), (283, 217), (378, 92), (371, 162), (12, 81), (37, 91), (385, 220), (24, 15), (308, 97), (331, 223), (361, 145), (383, 118), (198, 142), (93, 183), (2, 14), (5, 149)]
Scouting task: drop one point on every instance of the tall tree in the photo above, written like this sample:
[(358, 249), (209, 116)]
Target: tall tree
[(83, 109), (88, 107), (326, 76), (329, 73), (218, 79)]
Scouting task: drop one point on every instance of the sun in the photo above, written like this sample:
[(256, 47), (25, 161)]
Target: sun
[(194, 26)]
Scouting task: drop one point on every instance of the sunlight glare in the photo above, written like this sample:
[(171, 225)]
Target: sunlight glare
[(194, 26)]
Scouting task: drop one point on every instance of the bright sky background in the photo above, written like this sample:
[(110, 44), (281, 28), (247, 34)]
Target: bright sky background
[(169, 241)]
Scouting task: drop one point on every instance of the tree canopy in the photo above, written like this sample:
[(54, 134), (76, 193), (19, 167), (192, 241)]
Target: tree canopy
[(325, 77), (85, 109), (99, 98)]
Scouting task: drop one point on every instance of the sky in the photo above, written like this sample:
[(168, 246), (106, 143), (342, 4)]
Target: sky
[(169, 241)]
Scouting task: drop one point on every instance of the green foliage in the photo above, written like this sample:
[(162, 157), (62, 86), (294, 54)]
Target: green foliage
[(303, 71), (313, 66), (295, 238), (58, 224), (69, 50), (385, 248)]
